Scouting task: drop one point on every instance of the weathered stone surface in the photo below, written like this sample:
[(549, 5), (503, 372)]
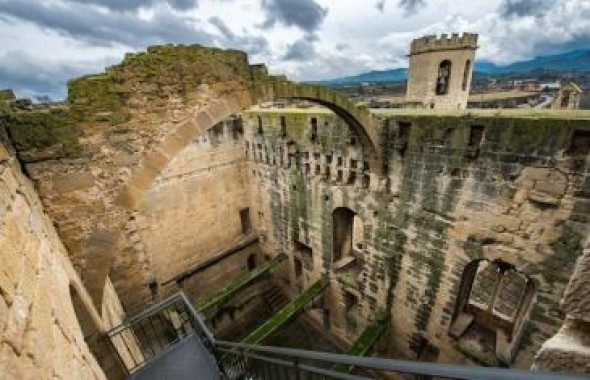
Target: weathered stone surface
[(550, 187), (543, 198), (72, 182), (34, 271), (576, 300)]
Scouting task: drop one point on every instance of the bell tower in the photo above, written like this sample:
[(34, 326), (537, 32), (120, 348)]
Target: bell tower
[(440, 71)]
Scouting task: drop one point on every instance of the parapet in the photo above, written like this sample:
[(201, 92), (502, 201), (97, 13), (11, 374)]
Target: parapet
[(444, 42)]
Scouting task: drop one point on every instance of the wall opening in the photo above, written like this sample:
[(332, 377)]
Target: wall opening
[(466, 75), (565, 99), (298, 268), (475, 136), (245, 220), (343, 221), (403, 136), (259, 130), (444, 77), (314, 128), (492, 305), (305, 253), (252, 262), (283, 123), (579, 144)]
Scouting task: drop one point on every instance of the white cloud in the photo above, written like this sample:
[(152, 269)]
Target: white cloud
[(339, 38)]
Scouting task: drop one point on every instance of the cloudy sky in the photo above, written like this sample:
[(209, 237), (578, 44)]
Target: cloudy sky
[(45, 42)]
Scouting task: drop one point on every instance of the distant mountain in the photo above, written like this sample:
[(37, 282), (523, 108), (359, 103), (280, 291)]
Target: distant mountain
[(576, 60), (376, 76)]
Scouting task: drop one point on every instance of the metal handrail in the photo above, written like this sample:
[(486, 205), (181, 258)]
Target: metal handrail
[(408, 366), (291, 357)]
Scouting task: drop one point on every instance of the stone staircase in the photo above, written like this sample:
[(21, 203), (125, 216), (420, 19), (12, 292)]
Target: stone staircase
[(274, 299)]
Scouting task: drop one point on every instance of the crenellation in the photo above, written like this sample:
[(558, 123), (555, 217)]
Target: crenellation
[(444, 42)]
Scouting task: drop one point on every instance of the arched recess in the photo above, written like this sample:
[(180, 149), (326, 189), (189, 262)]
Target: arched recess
[(155, 161), (343, 235), (96, 340)]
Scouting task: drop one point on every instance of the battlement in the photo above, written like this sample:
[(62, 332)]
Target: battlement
[(444, 42)]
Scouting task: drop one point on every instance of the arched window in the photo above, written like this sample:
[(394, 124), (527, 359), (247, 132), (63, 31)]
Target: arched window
[(443, 78), (466, 74)]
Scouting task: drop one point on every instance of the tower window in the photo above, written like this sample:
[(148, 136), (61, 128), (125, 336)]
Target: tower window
[(466, 74), (444, 77)]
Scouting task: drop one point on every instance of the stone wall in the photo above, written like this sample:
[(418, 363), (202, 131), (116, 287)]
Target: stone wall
[(193, 208), (45, 311), (453, 188)]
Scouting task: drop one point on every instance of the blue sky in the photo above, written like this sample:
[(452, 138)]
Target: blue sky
[(45, 42)]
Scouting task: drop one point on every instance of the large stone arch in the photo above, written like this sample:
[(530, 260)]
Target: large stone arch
[(215, 84)]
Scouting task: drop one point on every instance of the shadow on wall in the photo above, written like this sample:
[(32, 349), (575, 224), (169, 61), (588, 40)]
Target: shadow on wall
[(97, 342)]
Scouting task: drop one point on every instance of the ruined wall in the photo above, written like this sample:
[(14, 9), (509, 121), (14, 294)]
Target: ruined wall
[(95, 157), (453, 188), (41, 334)]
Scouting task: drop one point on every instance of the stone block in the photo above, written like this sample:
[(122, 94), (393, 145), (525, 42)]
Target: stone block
[(17, 323), (66, 183), (576, 300), (11, 366), (125, 159), (555, 189), (546, 199)]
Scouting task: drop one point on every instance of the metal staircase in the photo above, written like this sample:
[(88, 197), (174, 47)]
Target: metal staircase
[(170, 341)]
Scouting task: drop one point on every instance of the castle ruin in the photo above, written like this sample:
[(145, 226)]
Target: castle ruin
[(443, 237)]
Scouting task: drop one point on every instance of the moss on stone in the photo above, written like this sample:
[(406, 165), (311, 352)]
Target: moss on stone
[(97, 98), (40, 129), (241, 281), (286, 313), (7, 95)]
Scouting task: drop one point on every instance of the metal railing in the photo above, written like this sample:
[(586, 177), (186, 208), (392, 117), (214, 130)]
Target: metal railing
[(175, 319), (151, 333)]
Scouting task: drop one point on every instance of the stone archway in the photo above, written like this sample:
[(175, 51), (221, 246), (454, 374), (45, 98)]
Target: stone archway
[(154, 104)]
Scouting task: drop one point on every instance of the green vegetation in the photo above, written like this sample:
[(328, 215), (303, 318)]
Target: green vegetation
[(97, 98), (39, 129), (286, 313), (242, 280), (366, 340)]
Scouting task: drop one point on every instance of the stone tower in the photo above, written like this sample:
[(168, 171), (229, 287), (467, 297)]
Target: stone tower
[(440, 71)]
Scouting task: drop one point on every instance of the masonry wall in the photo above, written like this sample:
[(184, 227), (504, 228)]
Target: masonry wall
[(192, 211), (40, 333), (442, 199)]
